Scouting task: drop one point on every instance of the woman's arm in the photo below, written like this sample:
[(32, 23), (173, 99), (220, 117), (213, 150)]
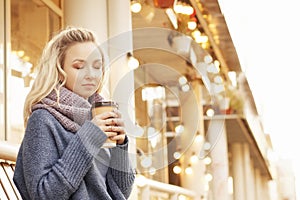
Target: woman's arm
[(121, 173), (51, 171)]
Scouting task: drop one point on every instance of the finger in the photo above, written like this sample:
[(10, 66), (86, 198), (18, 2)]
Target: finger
[(108, 129), (107, 115), (111, 121), (116, 111), (119, 138), (98, 121), (114, 122), (111, 134), (119, 129)]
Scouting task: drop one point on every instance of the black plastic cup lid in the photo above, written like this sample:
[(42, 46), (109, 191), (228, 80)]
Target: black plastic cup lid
[(105, 103)]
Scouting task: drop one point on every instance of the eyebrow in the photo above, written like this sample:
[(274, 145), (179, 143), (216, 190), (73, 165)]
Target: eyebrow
[(80, 60)]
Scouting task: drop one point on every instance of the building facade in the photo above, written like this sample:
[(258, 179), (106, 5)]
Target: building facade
[(195, 132)]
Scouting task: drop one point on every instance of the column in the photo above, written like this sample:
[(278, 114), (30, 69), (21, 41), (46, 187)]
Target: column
[(248, 173), (265, 188), (217, 137), (192, 118), (109, 19), (258, 184), (91, 14), (238, 172), (121, 80)]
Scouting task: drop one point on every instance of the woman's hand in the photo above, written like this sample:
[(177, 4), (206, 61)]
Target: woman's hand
[(112, 125)]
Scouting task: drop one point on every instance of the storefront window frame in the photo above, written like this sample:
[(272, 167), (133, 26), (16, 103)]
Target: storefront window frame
[(5, 39)]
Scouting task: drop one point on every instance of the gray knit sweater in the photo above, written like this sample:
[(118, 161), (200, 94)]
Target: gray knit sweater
[(54, 163)]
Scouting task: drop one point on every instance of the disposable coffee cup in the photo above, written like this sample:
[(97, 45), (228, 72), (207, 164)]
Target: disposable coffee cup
[(101, 107)]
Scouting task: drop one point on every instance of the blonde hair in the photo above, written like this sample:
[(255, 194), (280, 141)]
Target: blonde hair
[(51, 75)]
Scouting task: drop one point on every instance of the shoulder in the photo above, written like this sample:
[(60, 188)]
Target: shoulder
[(41, 115), (42, 120)]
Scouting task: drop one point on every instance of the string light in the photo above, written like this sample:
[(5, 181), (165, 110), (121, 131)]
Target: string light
[(207, 160), (135, 7), (182, 80), (188, 170), (132, 62), (199, 138), (210, 112), (152, 171), (177, 169), (208, 177), (179, 129), (194, 158), (176, 154)]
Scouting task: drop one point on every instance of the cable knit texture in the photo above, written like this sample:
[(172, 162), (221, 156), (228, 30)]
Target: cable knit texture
[(71, 111), (62, 159)]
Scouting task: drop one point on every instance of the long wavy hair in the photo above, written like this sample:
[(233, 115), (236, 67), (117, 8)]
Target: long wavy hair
[(51, 75)]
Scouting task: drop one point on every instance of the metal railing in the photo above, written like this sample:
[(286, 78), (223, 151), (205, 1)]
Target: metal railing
[(150, 189)]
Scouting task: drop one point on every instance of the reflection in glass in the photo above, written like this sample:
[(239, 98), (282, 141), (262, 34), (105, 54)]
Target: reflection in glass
[(31, 27)]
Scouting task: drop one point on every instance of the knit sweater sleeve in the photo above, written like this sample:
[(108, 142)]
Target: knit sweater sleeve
[(120, 174), (48, 172)]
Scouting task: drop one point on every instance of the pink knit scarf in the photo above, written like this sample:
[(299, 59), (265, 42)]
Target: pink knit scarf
[(72, 110)]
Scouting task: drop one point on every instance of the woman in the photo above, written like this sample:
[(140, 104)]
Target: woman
[(61, 156)]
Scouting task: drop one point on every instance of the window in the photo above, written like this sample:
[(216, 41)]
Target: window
[(28, 25)]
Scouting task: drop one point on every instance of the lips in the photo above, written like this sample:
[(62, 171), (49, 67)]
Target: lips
[(89, 85)]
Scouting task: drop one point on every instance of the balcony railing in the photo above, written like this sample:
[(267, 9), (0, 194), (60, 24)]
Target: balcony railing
[(8, 155), (150, 189)]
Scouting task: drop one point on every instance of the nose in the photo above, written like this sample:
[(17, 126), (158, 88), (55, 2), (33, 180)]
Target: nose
[(89, 73), (92, 73)]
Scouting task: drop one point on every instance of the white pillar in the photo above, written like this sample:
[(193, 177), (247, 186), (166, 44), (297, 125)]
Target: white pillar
[(248, 173), (191, 114), (110, 19), (120, 43), (91, 14), (121, 80), (238, 172), (217, 137), (258, 184), (265, 188)]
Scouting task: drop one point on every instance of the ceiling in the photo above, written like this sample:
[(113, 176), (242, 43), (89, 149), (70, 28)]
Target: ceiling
[(211, 21), (209, 12)]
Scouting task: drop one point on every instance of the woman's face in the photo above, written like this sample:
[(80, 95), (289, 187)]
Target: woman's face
[(83, 65)]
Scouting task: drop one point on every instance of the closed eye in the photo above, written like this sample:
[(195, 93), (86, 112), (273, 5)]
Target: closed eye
[(97, 64), (78, 64)]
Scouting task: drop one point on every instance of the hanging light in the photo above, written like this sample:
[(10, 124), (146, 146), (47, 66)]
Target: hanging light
[(146, 161), (135, 7), (132, 62), (185, 87), (206, 146), (192, 25), (207, 160), (182, 80), (208, 59), (152, 171), (177, 169), (194, 158), (208, 177), (179, 129), (199, 138), (189, 169), (177, 154), (210, 112)]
